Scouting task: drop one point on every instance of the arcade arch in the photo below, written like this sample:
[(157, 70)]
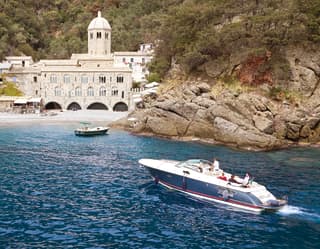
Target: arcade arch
[(97, 106), (52, 106), (120, 107), (74, 106)]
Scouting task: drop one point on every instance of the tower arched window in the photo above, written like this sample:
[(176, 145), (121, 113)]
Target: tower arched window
[(106, 35), (57, 91), (91, 35), (102, 91), (90, 91), (98, 35), (78, 91)]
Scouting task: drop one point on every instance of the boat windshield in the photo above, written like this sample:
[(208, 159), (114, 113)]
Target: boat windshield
[(194, 164)]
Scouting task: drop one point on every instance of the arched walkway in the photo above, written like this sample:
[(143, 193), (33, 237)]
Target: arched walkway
[(97, 106), (52, 106), (120, 107), (74, 106)]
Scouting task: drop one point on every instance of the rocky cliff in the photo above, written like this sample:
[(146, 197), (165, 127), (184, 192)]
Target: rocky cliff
[(258, 113)]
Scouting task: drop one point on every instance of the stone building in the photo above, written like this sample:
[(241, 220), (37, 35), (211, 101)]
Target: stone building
[(85, 81), (137, 61)]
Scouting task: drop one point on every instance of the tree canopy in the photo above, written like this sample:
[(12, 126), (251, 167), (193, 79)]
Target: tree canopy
[(192, 32)]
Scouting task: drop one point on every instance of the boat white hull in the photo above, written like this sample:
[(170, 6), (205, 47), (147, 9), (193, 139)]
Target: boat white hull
[(204, 188)]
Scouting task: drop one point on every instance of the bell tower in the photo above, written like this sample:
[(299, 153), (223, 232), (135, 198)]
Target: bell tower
[(99, 37)]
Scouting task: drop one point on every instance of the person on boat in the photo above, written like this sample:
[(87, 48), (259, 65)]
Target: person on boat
[(223, 177), (216, 165), (233, 180), (246, 180)]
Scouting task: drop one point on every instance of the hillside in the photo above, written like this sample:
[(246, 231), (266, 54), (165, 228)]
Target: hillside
[(55, 29), (195, 33)]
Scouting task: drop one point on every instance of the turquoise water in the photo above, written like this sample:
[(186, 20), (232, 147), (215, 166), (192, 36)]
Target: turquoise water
[(62, 191)]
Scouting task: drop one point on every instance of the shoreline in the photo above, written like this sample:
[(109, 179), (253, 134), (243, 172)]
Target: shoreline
[(231, 146), (52, 117), (109, 117)]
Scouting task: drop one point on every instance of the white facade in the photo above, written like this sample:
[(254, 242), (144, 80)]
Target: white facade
[(136, 61), (85, 81), (20, 61)]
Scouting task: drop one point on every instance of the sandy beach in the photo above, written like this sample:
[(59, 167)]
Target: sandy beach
[(60, 117)]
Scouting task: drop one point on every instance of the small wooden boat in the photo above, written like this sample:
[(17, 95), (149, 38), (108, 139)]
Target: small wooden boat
[(91, 131)]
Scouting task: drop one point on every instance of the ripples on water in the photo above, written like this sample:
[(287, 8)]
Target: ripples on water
[(60, 191)]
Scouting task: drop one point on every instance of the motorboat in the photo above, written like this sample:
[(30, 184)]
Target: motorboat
[(198, 178), (86, 131), (91, 131)]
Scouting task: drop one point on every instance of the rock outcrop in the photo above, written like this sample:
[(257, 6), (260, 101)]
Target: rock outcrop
[(247, 119)]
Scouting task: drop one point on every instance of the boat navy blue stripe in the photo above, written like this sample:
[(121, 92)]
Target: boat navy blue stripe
[(210, 196)]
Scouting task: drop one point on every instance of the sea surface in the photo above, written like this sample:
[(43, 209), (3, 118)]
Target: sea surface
[(62, 191)]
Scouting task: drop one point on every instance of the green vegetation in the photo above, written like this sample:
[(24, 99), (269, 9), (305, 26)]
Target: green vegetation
[(280, 94), (154, 77), (190, 32), (9, 89), (231, 84)]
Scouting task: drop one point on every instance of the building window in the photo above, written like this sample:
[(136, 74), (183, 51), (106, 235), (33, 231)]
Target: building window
[(102, 91), (98, 35), (36, 92), (114, 92), (57, 91), (66, 78), (106, 36), (78, 91), (90, 91), (143, 60), (119, 79), (102, 79), (91, 35), (122, 94), (53, 78), (35, 79), (84, 79), (131, 60), (124, 60)]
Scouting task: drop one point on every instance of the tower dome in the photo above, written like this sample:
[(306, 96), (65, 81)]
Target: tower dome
[(99, 23), (99, 36)]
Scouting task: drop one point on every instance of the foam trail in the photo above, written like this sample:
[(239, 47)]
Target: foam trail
[(299, 212), (289, 210)]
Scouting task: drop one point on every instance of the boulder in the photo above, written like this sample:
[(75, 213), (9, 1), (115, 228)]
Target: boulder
[(203, 101), (293, 131), (204, 88), (263, 123), (231, 133), (305, 131), (226, 113)]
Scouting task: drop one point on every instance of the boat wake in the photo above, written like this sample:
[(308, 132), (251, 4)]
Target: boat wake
[(300, 213)]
